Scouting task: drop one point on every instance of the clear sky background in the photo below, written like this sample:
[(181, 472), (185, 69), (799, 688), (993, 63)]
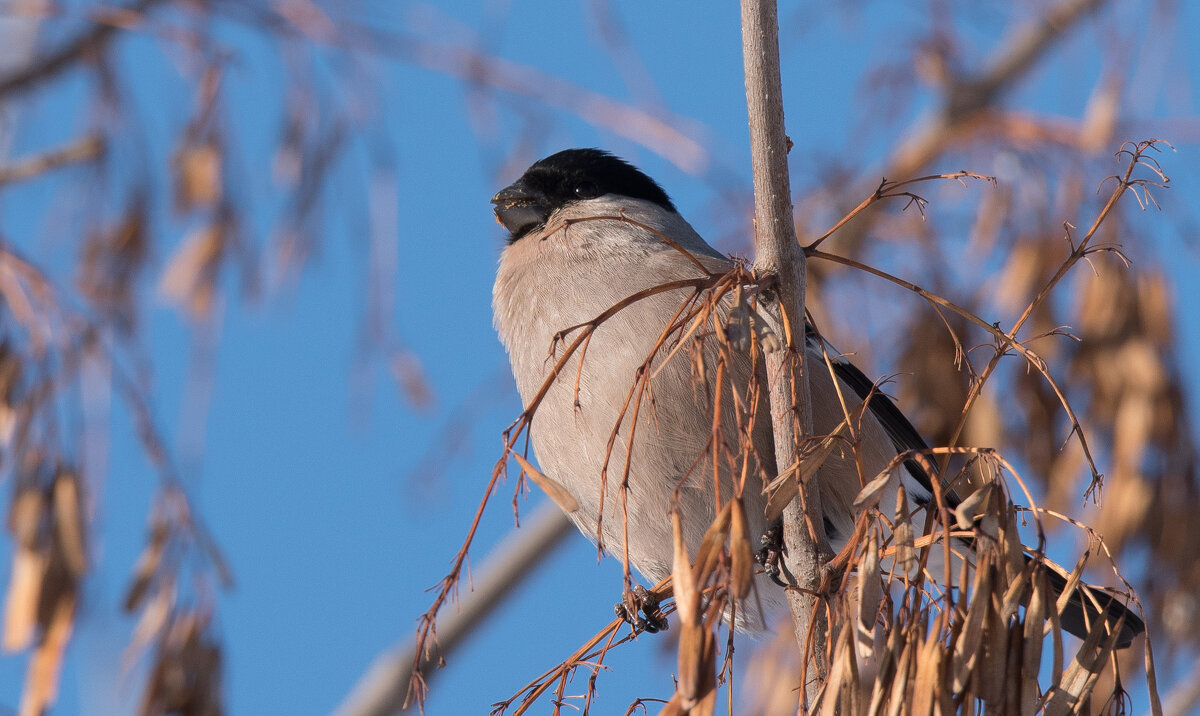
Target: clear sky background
[(330, 493)]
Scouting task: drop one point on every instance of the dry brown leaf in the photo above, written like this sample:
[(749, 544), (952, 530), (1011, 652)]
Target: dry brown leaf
[(969, 643), (1080, 677), (407, 369), (41, 681), (1015, 677), (8, 425), (10, 375), (868, 496), (1012, 550), (709, 553), (673, 707), (17, 299), (1073, 580), (697, 644), (190, 273), (887, 659), (147, 566), (928, 681), (111, 265), (741, 551), (310, 19), (24, 594), (1033, 639), (899, 691), (1155, 312), (154, 618), (1014, 596), (1100, 115), (185, 676), (198, 177), (1054, 626), (553, 488), (707, 705), (1102, 306), (985, 423), (698, 662), (993, 661), (966, 511), (771, 677), (1128, 502), (1025, 267), (870, 594), (839, 684), (903, 534), (784, 488), (68, 521), (25, 516), (687, 595)]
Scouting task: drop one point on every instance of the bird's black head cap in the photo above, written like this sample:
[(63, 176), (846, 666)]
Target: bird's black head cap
[(568, 176)]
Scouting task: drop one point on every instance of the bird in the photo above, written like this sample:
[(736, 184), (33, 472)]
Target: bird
[(590, 236)]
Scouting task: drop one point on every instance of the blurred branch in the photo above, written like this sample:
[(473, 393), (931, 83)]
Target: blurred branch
[(382, 689), (663, 133), (624, 54), (778, 252), (83, 150), (967, 96), (88, 43)]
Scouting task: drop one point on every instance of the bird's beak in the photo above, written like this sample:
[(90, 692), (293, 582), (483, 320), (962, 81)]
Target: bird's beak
[(520, 208)]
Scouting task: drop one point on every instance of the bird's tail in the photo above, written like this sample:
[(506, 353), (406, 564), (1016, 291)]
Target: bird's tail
[(1087, 606)]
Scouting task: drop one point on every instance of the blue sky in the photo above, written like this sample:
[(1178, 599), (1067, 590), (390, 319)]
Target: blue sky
[(304, 467)]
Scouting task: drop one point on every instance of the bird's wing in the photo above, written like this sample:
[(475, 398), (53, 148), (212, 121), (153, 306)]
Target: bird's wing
[(903, 435)]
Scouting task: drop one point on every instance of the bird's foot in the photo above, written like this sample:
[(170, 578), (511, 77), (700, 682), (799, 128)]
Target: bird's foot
[(770, 555), (641, 610)]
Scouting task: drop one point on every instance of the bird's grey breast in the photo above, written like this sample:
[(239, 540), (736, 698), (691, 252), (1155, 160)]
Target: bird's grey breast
[(555, 285)]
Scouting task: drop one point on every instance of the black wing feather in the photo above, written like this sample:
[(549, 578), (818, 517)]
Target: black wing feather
[(901, 432), (1080, 610)]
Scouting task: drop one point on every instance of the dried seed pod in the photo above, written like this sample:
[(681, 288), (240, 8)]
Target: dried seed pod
[(69, 521), (741, 553), (553, 488), (198, 176)]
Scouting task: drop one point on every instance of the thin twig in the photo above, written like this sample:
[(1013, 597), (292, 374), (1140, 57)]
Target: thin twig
[(1136, 154), (1004, 341), (82, 150), (89, 43)]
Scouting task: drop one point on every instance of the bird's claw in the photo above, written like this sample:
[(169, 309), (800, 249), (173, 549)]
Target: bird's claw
[(770, 555)]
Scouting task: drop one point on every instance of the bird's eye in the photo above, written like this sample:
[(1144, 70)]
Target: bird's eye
[(587, 190)]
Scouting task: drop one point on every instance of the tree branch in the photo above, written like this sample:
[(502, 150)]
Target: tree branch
[(82, 150), (383, 688), (966, 97), (89, 42), (778, 252)]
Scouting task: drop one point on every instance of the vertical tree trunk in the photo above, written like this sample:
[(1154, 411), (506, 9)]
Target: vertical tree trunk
[(777, 251)]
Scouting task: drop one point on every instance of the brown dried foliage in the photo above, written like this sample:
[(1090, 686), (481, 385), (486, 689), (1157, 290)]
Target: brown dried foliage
[(62, 338), (1131, 384), (900, 642), (43, 365)]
